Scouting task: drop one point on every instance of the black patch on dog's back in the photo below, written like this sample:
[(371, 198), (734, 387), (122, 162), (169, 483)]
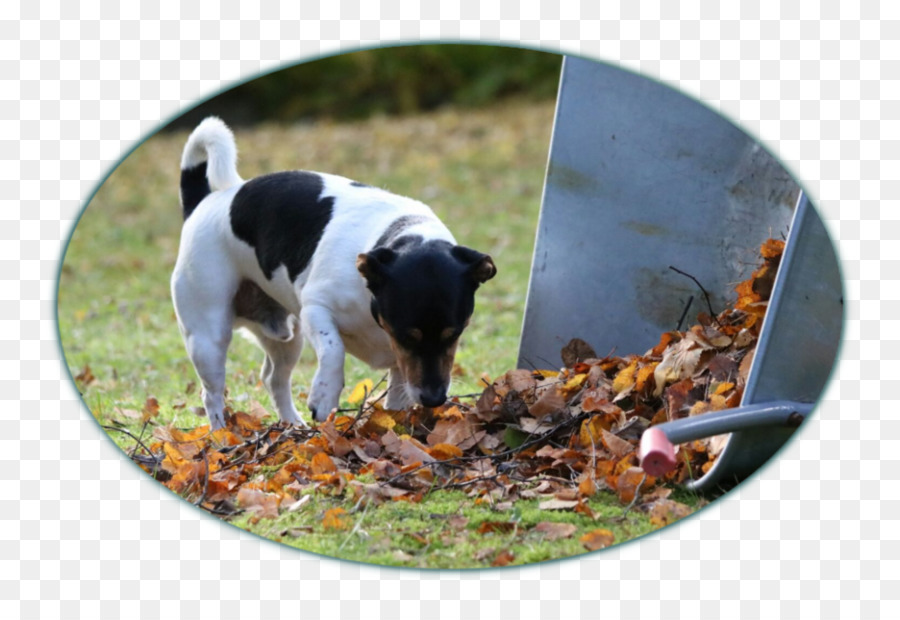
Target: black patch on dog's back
[(283, 216), (194, 188), (358, 184), (398, 227)]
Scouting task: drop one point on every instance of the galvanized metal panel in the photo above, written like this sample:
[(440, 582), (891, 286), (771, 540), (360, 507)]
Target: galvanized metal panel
[(642, 177)]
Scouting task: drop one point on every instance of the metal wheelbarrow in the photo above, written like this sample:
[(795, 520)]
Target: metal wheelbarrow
[(641, 177)]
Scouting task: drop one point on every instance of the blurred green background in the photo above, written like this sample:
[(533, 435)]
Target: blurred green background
[(391, 81)]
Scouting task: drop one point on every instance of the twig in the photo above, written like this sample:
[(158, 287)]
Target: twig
[(687, 307), (637, 494), (139, 442), (705, 294), (364, 406), (205, 479), (141, 436)]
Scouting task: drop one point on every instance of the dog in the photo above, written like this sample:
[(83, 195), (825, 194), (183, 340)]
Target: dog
[(306, 256)]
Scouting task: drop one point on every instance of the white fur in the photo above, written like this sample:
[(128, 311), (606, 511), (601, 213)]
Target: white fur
[(328, 300), (213, 142)]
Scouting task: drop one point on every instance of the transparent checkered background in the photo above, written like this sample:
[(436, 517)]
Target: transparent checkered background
[(84, 534)]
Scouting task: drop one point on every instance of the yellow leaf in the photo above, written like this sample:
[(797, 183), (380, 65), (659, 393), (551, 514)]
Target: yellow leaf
[(625, 378), (362, 389), (723, 387), (575, 382), (643, 375), (382, 420), (592, 430)]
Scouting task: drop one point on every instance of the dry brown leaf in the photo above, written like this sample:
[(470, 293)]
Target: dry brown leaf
[(619, 447), (577, 350), (555, 531), (501, 527), (557, 504), (666, 511), (260, 504), (550, 401), (503, 558)]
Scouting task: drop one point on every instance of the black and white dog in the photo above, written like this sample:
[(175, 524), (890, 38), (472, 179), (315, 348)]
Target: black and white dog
[(281, 255)]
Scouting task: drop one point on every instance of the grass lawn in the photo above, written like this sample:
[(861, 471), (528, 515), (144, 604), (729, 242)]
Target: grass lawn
[(481, 171)]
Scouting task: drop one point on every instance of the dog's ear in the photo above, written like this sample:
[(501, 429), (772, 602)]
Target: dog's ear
[(480, 267), (374, 266)]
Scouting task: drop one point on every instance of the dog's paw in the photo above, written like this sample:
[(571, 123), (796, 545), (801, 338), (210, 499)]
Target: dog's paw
[(324, 397), (295, 419), (320, 407), (216, 421)]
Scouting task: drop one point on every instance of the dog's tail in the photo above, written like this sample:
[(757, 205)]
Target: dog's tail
[(208, 163)]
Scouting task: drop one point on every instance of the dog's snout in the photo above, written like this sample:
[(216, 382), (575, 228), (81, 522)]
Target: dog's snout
[(434, 397)]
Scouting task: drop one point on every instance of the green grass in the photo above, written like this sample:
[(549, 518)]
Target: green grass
[(423, 535), (482, 172)]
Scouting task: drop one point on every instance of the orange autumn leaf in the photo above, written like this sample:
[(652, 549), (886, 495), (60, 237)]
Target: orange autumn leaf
[(245, 422), (451, 413), (444, 451), (322, 464), (334, 519), (771, 248), (586, 487), (597, 539)]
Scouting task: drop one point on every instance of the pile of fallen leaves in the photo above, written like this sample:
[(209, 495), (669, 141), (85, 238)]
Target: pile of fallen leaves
[(559, 436)]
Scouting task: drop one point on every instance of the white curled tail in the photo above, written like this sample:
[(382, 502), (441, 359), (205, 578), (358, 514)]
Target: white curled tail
[(208, 163)]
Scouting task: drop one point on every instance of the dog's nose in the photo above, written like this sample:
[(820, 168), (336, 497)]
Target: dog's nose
[(433, 397)]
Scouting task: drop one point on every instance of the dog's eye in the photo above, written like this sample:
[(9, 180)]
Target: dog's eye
[(414, 334)]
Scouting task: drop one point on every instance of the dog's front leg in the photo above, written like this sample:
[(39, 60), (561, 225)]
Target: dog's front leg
[(322, 333)]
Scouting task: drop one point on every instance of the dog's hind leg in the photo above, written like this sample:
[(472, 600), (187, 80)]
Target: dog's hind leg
[(207, 348), (281, 358), (206, 322)]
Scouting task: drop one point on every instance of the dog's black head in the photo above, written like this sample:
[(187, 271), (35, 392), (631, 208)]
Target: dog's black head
[(423, 297)]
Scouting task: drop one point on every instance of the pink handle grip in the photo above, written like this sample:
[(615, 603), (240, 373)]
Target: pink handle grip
[(657, 453)]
